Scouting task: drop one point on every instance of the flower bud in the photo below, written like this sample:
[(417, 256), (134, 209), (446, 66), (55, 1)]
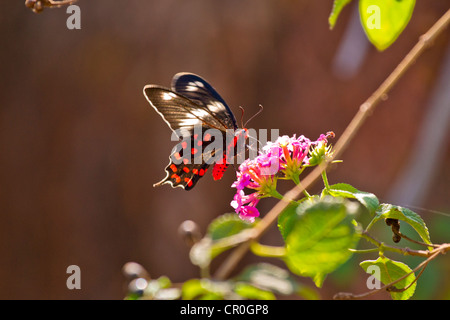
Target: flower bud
[(189, 232), (133, 270)]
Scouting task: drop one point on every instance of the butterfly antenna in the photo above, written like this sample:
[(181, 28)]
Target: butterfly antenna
[(242, 116), (260, 110)]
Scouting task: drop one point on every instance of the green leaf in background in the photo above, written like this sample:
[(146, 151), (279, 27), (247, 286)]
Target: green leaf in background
[(386, 211), (249, 291), (227, 225), (338, 5), (203, 289), (390, 271), (210, 246), (156, 289), (206, 289), (369, 200), (384, 20), (319, 240), (275, 279)]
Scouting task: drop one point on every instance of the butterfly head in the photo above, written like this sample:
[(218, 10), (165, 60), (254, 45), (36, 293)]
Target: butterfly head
[(241, 133)]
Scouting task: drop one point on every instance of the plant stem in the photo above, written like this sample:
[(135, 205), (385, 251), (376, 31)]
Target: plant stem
[(423, 264), (364, 111), (405, 251), (364, 250), (267, 251), (325, 180)]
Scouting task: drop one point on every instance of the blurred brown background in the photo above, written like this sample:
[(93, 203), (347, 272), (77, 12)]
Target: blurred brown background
[(81, 148)]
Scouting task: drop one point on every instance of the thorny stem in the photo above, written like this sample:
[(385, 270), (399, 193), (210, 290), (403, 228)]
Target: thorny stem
[(358, 120)]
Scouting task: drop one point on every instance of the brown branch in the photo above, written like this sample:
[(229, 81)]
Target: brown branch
[(364, 111), (442, 249), (404, 251), (404, 236), (38, 5)]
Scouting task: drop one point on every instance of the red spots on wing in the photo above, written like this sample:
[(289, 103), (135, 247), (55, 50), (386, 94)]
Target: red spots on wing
[(207, 137), (176, 177), (177, 155), (173, 167), (194, 151), (184, 144), (199, 143), (189, 182), (185, 160), (195, 171), (186, 169), (219, 170), (201, 172), (223, 160), (195, 136)]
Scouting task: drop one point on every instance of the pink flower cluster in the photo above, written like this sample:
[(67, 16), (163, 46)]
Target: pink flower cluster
[(287, 155)]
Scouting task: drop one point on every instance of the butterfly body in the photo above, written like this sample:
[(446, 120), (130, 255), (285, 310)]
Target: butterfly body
[(231, 150), (201, 119)]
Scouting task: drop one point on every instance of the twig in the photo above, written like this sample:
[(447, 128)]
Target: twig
[(364, 111), (417, 242), (38, 5), (390, 286), (404, 251)]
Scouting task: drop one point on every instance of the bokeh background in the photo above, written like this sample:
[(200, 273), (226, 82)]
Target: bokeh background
[(81, 148)]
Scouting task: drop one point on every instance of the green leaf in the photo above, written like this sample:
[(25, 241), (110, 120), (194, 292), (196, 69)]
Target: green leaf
[(287, 218), (210, 246), (227, 225), (192, 289), (389, 271), (164, 282), (386, 211), (319, 240), (275, 279), (338, 5), (248, 291), (369, 200), (384, 20), (159, 289), (204, 289)]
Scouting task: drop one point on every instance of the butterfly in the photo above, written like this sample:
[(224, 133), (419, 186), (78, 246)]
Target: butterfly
[(199, 117)]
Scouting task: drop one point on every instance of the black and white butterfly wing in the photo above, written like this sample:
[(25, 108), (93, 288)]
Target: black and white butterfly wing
[(180, 113), (187, 163), (202, 93)]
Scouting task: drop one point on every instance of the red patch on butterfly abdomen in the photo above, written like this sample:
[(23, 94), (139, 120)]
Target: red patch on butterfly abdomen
[(219, 170)]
